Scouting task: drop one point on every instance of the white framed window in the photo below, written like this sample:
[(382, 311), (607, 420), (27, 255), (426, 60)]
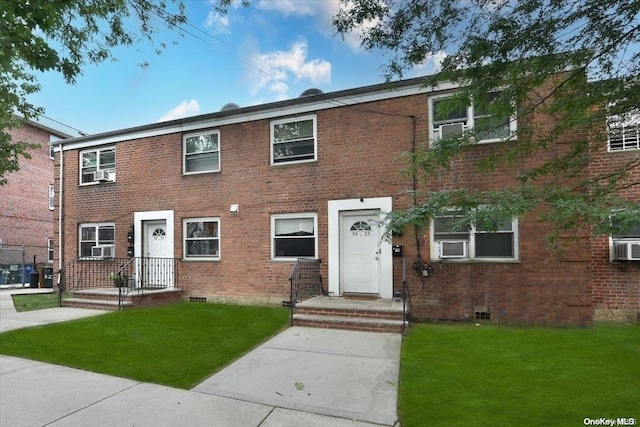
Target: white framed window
[(447, 122), (452, 241), (623, 132), (50, 250), (201, 239), (96, 240), (52, 197), (294, 236), (294, 140), (98, 165), (201, 152)]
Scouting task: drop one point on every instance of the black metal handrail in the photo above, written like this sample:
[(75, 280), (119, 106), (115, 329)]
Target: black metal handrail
[(128, 274), (305, 282)]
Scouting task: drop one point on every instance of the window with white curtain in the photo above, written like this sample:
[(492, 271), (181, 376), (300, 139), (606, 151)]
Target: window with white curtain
[(294, 236), (201, 238)]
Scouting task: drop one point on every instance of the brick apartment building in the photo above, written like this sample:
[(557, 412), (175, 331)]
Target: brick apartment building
[(238, 195), (26, 203)]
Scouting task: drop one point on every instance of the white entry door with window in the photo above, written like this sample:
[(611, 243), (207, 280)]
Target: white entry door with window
[(359, 252), (157, 268)]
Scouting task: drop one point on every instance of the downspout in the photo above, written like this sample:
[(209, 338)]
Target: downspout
[(60, 214)]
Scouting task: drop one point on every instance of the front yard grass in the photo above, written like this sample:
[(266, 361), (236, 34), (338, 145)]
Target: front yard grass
[(463, 375), (178, 345), (29, 302)]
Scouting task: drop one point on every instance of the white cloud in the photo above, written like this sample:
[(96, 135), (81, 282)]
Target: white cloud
[(322, 11), (289, 7), (275, 69), (219, 23), (431, 64), (184, 109)]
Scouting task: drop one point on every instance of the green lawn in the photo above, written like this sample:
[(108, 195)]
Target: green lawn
[(29, 302), (463, 375), (178, 345)]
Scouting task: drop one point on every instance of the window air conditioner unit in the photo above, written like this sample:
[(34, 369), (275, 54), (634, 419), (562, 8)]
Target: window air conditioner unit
[(103, 175), (626, 251), (452, 129), (453, 249), (106, 251)]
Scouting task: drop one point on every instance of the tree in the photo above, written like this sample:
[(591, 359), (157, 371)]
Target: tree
[(576, 63), (64, 36)]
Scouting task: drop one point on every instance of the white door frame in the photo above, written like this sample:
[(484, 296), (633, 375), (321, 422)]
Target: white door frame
[(383, 205)]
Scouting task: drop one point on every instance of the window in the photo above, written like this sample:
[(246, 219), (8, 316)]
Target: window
[(452, 240), (625, 237), (97, 240), (52, 197), (201, 152), (201, 238), (449, 120), (293, 140), (623, 133), (50, 251), (294, 236), (625, 228), (95, 161)]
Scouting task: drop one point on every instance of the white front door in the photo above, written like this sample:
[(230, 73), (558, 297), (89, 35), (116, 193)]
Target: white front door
[(158, 269), (359, 252)]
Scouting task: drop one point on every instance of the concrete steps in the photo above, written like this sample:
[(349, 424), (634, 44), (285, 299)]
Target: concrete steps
[(371, 315), (107, 298)]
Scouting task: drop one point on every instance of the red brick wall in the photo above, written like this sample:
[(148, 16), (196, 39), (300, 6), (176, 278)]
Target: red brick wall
[(615, 286), (358, 150), (357, 157), (25, 218)]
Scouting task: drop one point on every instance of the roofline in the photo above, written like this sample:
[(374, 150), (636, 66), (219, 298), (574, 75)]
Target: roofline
[(275, 109), (50, 130)]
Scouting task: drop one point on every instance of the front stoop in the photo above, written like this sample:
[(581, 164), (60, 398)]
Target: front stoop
[(107, 298), (379, 315)]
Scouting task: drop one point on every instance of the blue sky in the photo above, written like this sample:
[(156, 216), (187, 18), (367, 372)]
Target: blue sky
[(271, 51)]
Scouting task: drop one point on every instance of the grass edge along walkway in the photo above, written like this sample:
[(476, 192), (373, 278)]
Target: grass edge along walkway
[(178, 345), (459, 375)]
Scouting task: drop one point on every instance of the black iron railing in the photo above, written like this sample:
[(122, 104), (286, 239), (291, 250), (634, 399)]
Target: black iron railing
[(306, 282), (127, 274)]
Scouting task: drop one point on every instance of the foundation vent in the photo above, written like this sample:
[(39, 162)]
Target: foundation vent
[(482, 313), (197, 299)]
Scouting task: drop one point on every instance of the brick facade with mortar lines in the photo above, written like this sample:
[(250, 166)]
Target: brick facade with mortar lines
[(615, 286), (25, 217), (358, 150)]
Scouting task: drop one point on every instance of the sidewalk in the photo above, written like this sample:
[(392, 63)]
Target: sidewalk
[(301, 377), (10, 319)]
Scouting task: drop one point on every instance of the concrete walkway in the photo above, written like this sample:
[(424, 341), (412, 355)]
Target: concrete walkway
[(301, 377)]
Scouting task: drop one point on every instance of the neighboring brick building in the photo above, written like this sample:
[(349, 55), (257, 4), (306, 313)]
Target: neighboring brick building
[(26, 202), (239, 194)]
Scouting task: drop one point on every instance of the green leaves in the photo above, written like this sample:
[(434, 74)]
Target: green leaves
[(65, 36), (563, 69)]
